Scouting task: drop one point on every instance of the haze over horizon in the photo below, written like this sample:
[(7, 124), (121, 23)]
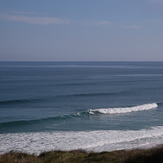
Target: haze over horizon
[(87, 30)]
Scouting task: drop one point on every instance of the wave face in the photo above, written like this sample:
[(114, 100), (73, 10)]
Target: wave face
[(102, 140), (123, 110), (85, 113)]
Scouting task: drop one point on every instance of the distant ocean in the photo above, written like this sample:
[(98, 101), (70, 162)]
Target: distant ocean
[(95, 106)]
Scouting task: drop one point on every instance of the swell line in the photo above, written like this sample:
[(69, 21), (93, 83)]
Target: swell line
[(18, 101), (21, 101)]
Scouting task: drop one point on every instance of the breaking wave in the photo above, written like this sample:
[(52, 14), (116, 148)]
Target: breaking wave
[(11, 125), (124, 109)]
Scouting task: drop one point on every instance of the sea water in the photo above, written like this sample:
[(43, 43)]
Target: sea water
[(95, 106)]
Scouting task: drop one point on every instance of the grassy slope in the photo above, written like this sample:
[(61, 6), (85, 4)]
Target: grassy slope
[(154, 155)]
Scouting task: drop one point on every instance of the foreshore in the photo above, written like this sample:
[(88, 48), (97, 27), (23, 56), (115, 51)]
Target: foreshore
[(152, 155)]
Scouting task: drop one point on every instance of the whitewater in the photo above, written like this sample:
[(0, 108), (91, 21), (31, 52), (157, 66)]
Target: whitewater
[(97, 141), (123, 110)]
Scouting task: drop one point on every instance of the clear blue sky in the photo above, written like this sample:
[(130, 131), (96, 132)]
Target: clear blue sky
[(81, 30)]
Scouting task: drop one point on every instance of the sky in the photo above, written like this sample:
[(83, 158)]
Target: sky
[(81, 30)]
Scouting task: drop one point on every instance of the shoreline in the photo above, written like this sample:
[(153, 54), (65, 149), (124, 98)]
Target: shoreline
[(151, 155)]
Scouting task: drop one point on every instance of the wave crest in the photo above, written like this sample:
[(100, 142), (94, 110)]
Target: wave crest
[(123, 110)]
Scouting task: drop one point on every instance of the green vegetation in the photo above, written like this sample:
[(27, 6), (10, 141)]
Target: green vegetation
[(154, 155)]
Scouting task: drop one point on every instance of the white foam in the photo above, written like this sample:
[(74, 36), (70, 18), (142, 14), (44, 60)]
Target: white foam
[(101, 140), (123, 110)]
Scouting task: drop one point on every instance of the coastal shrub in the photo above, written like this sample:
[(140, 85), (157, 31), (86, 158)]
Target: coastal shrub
[(18, 157), (154, 155)]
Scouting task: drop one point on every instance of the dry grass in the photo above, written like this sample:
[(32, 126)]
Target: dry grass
[(17, 157), (154, 155)]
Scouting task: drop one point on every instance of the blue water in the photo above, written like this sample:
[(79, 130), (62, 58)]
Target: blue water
[(55, 97)]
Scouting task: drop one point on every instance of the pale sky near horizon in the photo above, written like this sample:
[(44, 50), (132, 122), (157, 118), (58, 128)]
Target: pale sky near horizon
[(81, 30)]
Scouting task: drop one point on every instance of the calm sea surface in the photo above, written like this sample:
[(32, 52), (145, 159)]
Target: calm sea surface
[(97, 106)]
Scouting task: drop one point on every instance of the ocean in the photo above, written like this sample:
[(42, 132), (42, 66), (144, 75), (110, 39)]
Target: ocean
[(94, 106)]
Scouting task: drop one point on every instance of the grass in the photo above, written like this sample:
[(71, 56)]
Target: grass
[(154, 155)]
